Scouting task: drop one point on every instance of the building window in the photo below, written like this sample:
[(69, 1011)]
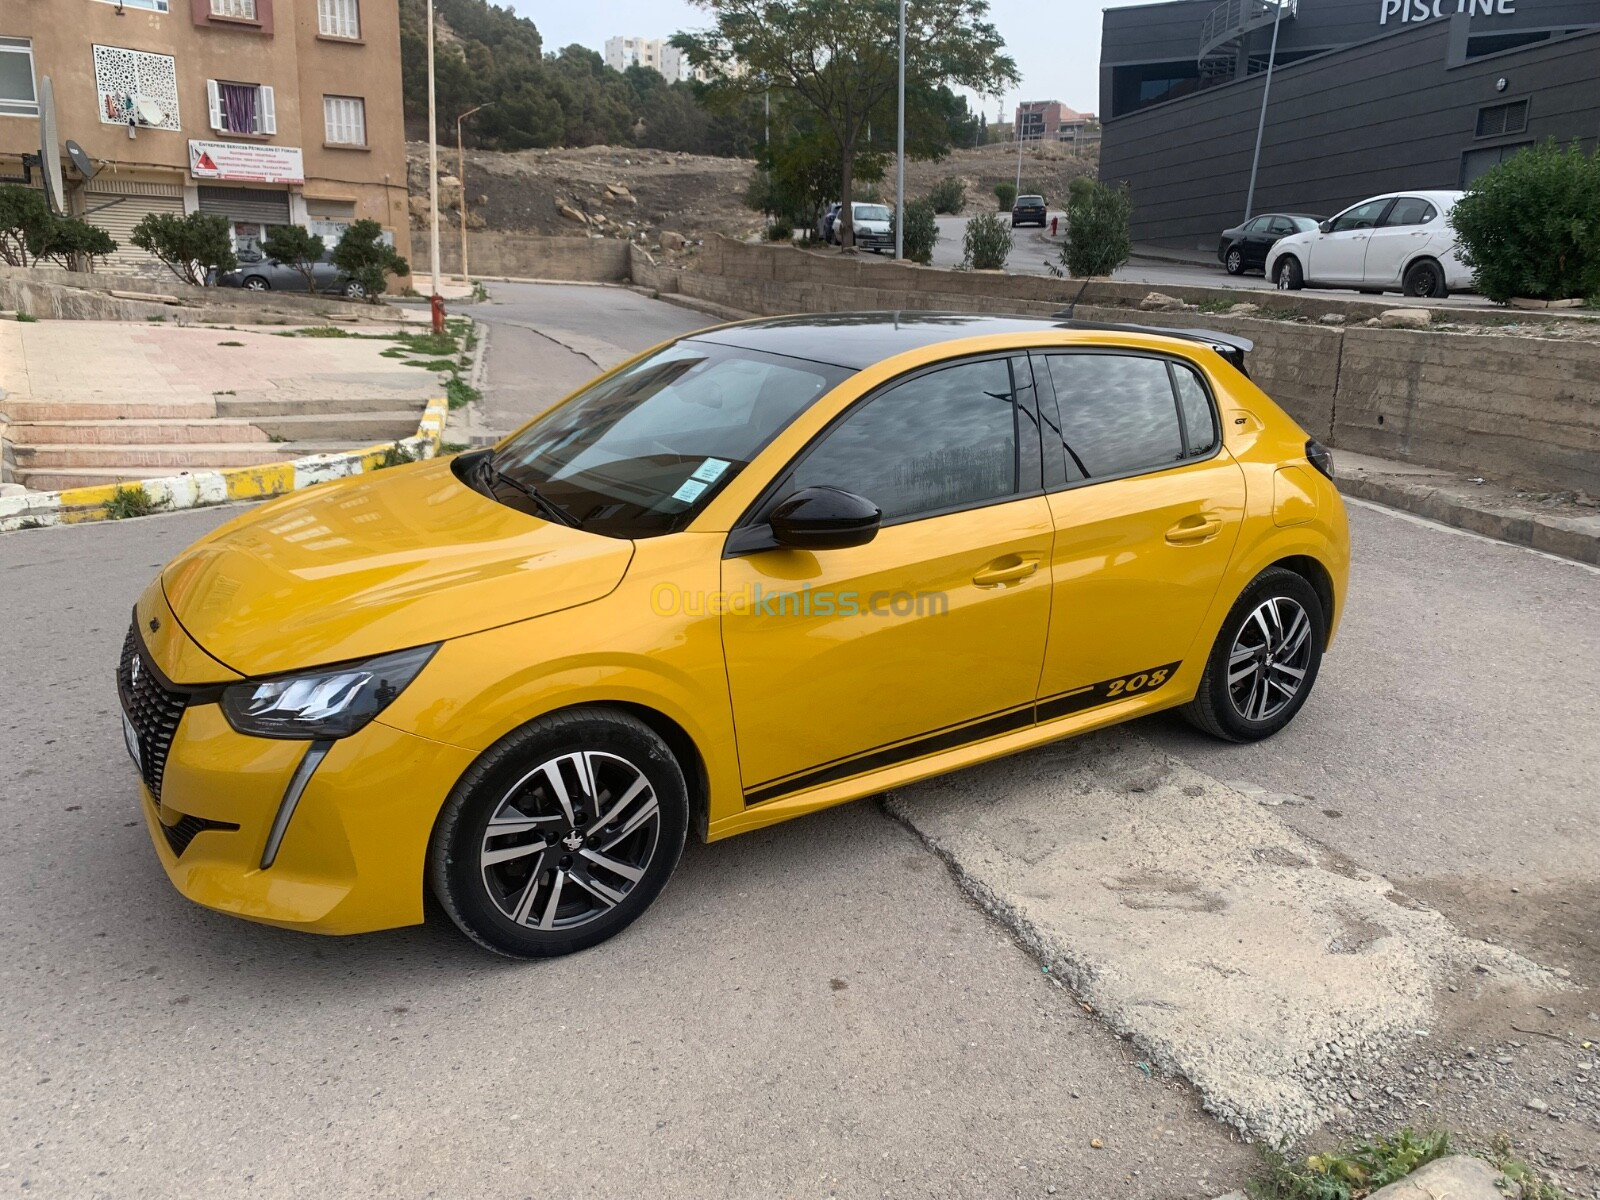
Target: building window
[(1500, 119), (241, 10), (345, 120), (339, 18), (146, 5), (136, 87), (17, 97), (241, 108)]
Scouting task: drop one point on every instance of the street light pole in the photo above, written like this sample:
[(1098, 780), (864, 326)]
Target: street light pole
[(900, 149), (1261, 125), (1016, 132), (461, 174), (434, 302)]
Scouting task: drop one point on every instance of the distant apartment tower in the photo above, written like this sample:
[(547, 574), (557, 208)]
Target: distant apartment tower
[(1053, 121), (659, 55)]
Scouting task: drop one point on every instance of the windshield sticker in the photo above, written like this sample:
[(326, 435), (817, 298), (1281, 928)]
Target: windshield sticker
[(711, 470), (690, 491)]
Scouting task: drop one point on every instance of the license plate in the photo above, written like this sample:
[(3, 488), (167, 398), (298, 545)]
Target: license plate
[(132, 740)]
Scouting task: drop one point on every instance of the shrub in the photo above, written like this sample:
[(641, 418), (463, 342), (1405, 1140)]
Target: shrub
[(1531, 226), (129, 501), (361, 255), (1006, 193), (297, 247), (948, 195), (988, 242), (25, 222), (781, 230), (75, 244), (922, 231), (192, 246), (1099, 237), (1080, 186)]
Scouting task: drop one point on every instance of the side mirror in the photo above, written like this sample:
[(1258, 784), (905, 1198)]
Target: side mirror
[(825, 518), (1325, 226)]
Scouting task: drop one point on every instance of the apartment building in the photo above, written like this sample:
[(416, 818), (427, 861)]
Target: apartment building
[(658, 54), (266, 112), (1053, 121)]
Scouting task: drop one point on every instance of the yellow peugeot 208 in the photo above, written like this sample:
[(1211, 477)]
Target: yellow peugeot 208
[(758, 571)]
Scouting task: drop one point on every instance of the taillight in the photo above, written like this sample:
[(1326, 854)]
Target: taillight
[(1320, 457)]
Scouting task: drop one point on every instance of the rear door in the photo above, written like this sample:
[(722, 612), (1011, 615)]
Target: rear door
[(1147, 505), (1340, 255), (1402, 234)]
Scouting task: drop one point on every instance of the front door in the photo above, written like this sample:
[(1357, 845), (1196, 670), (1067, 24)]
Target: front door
[(1147, 506), (932, 634), (1340, 255)]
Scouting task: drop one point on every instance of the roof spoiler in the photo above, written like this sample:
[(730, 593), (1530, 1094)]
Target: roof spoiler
[(1230, 346)]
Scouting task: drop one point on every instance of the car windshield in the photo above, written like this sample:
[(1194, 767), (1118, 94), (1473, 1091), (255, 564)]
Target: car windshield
[(1305, 224), (638, 453), (1031, 201), (872, 212)]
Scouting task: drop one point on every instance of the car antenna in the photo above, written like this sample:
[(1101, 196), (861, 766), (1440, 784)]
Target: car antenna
[(1066, 313)]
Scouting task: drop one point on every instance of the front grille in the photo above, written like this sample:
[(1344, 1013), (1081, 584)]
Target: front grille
[(153, 710), (180, 835)]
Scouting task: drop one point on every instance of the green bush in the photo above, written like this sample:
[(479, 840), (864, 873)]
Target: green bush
[(297, 247), (948, 195), (988, 242), (31, 233), (1531, 227), (781, 230), (922, 231), (76, 245), (1099, 234), (191, 246), (361, 255), (1080, 186), (1006, 193)]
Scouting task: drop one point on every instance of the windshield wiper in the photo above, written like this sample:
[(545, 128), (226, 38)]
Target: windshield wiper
[(542, 502)]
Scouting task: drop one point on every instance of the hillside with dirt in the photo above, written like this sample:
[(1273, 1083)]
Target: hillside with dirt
[(625, 191)]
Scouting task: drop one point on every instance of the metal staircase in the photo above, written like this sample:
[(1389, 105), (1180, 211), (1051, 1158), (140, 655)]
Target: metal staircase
[(1225, 30)]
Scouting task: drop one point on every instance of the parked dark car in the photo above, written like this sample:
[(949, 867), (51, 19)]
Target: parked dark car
[(825, 223), (264, 274), (1029, 210), (1244, 247)]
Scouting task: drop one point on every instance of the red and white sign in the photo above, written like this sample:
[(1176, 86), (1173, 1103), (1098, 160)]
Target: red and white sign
[(246, 162)]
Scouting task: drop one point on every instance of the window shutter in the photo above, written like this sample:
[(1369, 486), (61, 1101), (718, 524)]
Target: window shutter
[(214, 97), (268, 115)]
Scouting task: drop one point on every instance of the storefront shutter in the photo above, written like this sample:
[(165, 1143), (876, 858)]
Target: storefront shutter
[(246, 204), (118, 207)]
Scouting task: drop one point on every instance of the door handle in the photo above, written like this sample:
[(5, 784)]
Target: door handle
[(1193, 530), (1005, 570)]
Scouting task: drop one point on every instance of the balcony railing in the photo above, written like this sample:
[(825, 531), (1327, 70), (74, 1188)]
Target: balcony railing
[(1232, 19)]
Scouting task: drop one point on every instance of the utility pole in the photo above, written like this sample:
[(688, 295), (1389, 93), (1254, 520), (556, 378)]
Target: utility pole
[(900, 149), (1016, 132), (1261, 125), (435, 303), (461, 174)]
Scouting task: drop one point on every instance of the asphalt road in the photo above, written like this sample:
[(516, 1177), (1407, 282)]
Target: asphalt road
[(811, 1010)]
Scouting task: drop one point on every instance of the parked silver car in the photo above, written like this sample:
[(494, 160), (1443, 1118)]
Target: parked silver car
[(263, 274)]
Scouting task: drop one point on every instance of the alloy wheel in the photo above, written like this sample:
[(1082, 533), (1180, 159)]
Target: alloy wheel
[(1235, 263), (1270, 657), (570, 840)]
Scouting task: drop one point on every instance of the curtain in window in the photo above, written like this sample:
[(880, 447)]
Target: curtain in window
[(239, 107)]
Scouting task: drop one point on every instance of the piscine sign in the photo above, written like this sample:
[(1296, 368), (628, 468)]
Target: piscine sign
[(1407, 12)]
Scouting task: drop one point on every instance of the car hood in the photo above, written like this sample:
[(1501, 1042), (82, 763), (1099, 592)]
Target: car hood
[(1292, 239), (378, 563)]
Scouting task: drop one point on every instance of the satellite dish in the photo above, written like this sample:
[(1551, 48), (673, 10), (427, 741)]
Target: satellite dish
[(50, 149), (149, 111), (80, 160)]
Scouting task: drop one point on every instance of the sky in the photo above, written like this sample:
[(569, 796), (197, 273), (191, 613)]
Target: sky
[(1056, 45)]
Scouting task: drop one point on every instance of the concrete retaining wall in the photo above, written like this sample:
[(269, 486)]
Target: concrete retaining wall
[(525, 256), (1522, 408), (53, 294)]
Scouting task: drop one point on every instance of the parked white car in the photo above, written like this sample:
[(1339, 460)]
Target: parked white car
[(871, 225), (1402, 241)]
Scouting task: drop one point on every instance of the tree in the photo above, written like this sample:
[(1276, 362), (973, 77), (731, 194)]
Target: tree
[(362, 255), (1099, 227), (1530, 227), (838, 58), (192, 246), (75, 244), (297, 247), (25, 224)]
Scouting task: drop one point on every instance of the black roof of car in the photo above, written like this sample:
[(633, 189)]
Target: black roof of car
[(858, 340)]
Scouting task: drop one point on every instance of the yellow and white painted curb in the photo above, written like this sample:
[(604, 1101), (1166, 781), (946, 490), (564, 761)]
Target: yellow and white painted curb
[(200, 488)]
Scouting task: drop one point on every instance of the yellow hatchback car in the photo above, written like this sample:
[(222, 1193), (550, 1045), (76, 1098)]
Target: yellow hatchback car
[(755, 572)]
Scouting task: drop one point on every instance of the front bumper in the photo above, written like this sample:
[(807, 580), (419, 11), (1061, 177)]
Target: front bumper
[(352, 857)]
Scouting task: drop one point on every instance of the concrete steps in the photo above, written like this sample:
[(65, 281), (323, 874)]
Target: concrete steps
[(165, 459), (26, 411), (351, 429), (134, 432), (56, 479), (266, 405)]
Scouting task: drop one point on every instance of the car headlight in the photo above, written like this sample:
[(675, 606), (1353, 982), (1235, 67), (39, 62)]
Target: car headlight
[(330, 702)]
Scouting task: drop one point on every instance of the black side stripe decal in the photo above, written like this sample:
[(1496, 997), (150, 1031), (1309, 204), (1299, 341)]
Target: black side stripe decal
[(1090, 696)]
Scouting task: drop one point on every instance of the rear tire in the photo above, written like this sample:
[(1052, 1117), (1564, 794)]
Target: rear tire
[(593, 811), (1264, 662), (1288, 275), (255, 283), (1235, 262), (1425, 278)]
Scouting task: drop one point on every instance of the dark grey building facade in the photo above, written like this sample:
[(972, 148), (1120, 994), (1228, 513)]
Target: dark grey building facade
[(1368, 96)]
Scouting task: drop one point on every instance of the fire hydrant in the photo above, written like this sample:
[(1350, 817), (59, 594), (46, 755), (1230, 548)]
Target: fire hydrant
[(1053, 221)]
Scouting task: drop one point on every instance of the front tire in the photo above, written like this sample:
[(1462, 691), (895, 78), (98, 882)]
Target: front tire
[(1426, 279), (561, 834), (255, 283), (1264, 662), (1288, 275), (1235, 261)]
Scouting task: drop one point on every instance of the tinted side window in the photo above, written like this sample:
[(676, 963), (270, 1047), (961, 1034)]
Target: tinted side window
[(1199, 423), (944, 440), (1118, 413), (1281, 226), (1409, 210), (1363, 216)]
